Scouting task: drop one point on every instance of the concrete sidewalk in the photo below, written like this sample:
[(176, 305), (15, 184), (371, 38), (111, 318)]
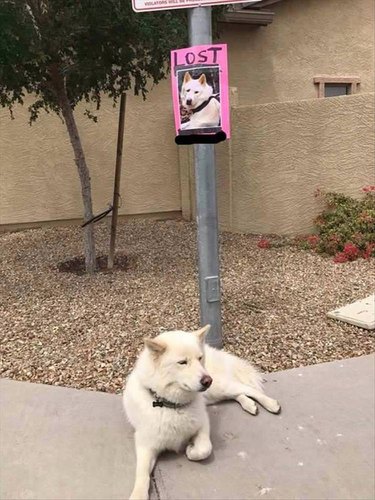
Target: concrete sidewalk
[(58, 443)]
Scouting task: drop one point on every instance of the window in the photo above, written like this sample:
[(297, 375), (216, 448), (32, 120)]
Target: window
[(331, 86), (335, 89)]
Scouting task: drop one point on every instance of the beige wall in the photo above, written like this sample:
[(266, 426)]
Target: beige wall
[(280, 153), (307, 38), (38, 176)]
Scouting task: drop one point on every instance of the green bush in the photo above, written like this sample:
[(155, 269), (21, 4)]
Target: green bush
[(346, 227)]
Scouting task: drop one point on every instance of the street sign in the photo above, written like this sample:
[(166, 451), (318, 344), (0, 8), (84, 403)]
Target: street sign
[(200, 94), (151, 5)]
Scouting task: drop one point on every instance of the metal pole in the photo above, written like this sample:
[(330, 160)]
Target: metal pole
[(200, 33)]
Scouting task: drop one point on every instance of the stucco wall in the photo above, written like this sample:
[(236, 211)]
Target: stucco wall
[(280, 153), (39, 180), (307, 38)]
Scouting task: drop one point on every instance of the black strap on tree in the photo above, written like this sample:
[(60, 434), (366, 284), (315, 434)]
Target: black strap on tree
[(98, 217)]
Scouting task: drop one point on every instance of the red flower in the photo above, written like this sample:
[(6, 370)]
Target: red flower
[(370, 249), (264, 243), (351, 251), (313, 240), (368, 189), (340, 258)]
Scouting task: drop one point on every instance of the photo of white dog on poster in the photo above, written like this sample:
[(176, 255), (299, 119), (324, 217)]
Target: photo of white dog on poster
[(199, 90)]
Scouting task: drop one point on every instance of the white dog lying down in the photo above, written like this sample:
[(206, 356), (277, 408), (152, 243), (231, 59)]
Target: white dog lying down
[(167, 392)]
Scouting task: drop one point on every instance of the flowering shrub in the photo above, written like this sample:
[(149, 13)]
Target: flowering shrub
[(351, 251), (346, 228), (340, 258), (313, 240), (309, 242), (369, 251), (264, 243)]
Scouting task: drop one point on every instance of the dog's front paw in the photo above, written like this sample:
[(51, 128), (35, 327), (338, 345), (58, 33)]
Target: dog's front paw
[(195, 453)]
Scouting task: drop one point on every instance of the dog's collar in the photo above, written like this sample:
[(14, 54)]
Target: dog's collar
[(162, 402), (203, 105)]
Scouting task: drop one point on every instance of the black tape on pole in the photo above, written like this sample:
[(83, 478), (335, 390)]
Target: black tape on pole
[(183, 140)]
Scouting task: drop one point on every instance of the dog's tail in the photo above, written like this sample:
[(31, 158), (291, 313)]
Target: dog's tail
[(249, 375)]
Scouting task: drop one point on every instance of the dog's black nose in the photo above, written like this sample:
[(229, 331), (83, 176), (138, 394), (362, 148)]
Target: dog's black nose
[(188, 102), (206, 381)]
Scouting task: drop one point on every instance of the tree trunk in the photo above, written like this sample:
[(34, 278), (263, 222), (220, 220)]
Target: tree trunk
[(83, 171), (116, 189)]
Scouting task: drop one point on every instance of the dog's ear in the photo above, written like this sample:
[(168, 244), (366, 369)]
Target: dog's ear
[(202, 332), (187, 77), (202, 79), (155, 346)]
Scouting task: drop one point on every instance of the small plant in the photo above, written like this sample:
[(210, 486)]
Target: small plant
[(264, 243), (346, 227)]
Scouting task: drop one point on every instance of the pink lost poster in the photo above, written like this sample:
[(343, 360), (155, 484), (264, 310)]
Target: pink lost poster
[(200, 94)]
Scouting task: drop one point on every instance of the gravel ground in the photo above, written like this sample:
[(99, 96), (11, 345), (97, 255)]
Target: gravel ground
[(85, 331)]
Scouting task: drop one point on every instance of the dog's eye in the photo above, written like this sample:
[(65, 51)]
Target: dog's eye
[(196, 92), (188, 90), (200, 358), (182, 362)]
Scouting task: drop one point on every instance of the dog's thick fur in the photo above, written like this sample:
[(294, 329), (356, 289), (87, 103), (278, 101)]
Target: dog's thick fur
[(177, 366), (194, 93)]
